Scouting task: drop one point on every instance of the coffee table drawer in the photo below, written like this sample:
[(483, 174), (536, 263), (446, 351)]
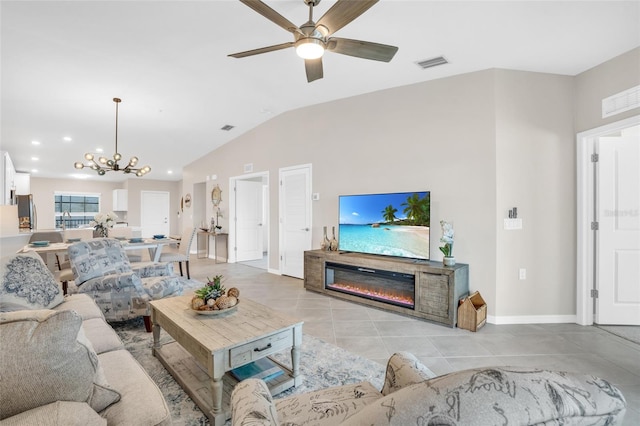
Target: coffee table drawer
[(260, 348)]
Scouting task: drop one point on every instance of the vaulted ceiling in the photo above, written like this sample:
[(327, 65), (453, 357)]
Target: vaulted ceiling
[(64, 61)]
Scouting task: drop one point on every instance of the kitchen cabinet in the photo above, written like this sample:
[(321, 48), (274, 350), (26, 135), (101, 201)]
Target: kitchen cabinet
[(120, 200)]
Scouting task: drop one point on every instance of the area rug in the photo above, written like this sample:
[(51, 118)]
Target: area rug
[(628, 332), (321, 364)]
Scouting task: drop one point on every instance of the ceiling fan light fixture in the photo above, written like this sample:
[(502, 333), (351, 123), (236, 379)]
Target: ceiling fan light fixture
[(310, 48)]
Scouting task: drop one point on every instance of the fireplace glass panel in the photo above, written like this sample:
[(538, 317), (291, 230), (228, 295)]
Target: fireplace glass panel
[(384, 286)]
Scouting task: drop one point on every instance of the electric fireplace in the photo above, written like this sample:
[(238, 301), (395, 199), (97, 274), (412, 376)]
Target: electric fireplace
[(394, 288)]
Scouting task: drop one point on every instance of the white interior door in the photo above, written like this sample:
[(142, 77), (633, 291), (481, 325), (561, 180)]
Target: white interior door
[(154, 213), (249, 226), (295, 219), (618, 248)]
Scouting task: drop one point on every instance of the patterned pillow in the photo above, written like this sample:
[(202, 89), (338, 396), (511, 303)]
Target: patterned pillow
[(26, 283), (49, 359), (96, 258)]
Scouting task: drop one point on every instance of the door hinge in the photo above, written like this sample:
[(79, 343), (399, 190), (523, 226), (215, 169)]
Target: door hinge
[(594, 293), (594, 226), (595, 158)]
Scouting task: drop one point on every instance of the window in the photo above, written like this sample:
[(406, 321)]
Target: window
[(81, 208)]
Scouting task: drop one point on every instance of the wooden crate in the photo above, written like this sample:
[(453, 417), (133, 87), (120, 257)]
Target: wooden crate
[(472, 312)]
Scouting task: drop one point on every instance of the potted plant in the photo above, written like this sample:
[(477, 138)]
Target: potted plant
[(447, 239)]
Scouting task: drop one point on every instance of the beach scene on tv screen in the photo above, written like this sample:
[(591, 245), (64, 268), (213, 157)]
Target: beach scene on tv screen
[(395, 224)]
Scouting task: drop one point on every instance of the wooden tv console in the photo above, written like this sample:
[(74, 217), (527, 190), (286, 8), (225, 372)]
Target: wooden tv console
[(438, 288)]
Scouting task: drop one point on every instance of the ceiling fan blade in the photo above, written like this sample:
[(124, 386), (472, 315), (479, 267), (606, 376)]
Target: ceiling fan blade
[(362, 49), (314, 69), (262, 50), (271, 15), (341, 13)]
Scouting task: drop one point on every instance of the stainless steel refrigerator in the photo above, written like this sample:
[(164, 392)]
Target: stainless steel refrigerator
[(27, 214)]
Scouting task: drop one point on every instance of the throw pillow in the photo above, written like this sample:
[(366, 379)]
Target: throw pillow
[(96, 258), (45, 358), (26, 283)]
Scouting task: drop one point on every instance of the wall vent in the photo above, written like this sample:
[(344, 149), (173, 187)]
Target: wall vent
[(620, 102), (227, 127), (433, 62)]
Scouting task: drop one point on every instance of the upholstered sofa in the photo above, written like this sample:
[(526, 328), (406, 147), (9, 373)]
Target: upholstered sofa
[(102, 270), (412, 395), (60, 361)]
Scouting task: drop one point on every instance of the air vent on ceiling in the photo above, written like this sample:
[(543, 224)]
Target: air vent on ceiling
[(433, 62), (227, 127), (620, 102)]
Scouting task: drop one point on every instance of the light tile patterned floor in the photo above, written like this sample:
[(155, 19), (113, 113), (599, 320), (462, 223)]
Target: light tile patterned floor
[(377, 334)]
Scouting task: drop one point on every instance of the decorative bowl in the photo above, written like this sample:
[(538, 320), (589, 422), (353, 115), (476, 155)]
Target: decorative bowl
[(158, 236), (73, 240), (136, 240), (40, 243), (217, 311)]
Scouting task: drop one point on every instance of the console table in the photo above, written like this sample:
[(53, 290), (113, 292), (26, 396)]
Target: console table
[(218, 238), (436, 289)]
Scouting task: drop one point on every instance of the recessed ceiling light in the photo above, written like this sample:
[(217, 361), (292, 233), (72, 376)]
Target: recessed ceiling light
[(35, 143), (170, 172), (67, 139), (99, 150), (34, 170), (227, 127), (79, 176), (34, 158)]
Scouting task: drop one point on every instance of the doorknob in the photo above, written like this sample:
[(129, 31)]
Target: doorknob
[(305, 229)]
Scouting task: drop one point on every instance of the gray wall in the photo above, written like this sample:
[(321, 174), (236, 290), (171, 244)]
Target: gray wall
[(481, 143)]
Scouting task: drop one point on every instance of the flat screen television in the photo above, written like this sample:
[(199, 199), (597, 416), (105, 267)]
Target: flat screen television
[(392, 224)]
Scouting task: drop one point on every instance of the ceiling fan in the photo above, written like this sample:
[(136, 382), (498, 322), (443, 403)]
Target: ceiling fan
[(311, 39)]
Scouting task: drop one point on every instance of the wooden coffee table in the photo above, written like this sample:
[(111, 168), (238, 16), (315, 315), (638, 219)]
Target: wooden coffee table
[(208, 346)]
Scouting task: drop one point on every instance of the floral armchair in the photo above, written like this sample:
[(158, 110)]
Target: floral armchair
[(102, 270)]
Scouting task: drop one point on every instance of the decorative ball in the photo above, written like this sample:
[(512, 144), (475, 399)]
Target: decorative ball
[(225, 302), (196, 303), (211, 302), (234, 292)]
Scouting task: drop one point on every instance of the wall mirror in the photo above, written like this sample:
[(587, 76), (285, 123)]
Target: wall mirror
[(216, 196)]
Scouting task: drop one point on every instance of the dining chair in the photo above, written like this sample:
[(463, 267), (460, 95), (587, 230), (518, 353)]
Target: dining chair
[(124, 232), (184, 250)]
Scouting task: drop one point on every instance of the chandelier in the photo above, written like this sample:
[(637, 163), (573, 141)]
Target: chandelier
[(104, 165)]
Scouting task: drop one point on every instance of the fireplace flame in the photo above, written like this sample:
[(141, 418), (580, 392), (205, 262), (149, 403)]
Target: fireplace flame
[(383, 295)]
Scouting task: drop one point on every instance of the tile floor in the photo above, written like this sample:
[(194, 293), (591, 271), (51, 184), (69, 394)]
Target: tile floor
[(376, 334)]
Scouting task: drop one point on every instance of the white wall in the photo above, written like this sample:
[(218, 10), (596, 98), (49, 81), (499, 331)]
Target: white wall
[(43, 190)]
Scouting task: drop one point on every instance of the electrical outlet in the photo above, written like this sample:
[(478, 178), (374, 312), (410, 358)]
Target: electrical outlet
[(522, 274)]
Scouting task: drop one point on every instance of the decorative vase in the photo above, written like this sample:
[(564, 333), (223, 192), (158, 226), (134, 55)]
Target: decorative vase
[(333, 244), (101, 231), (325, 244), (449, 261)]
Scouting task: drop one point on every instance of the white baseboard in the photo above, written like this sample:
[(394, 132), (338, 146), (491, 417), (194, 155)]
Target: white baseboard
[(532, 319)]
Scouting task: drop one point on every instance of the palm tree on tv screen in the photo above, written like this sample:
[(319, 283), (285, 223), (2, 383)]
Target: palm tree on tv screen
[(389, 213), (417, 210)]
